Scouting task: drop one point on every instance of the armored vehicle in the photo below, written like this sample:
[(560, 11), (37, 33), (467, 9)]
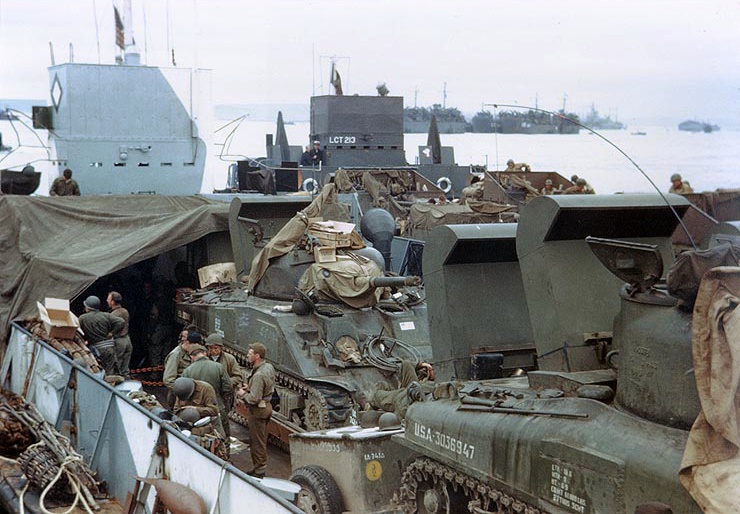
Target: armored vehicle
[(333, 323), (601, 427)]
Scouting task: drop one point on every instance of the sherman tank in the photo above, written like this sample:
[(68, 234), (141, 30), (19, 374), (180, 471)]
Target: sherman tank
[(334, 323)]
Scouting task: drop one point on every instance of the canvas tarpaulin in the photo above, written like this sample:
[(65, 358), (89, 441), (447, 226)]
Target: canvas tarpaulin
[(58, 246), (710, 469), (325, 206), (347, 279)]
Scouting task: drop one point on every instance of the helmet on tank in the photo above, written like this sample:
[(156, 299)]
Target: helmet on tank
[(183, 388), (389, 421), (92, 302), (676, 176)]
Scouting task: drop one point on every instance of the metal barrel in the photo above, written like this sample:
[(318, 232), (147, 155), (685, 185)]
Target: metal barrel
[(395, 281)]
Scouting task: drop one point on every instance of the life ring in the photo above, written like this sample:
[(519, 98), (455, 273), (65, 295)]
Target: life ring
[(445, 184), (310, 185)]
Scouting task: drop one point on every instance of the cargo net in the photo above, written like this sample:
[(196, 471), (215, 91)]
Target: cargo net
[(46, 457)]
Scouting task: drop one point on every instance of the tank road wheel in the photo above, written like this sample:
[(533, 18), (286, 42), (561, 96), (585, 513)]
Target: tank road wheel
[(319, 493), (432, 498), (315, 412)]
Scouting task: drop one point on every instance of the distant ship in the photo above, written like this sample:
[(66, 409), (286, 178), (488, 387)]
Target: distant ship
[(597, 122), (529, 122), (450, 120), (697, 126)]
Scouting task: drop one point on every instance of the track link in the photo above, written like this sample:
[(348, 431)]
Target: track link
[(463, 491)]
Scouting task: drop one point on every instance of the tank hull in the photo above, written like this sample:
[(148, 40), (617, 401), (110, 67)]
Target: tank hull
[(609, 462)]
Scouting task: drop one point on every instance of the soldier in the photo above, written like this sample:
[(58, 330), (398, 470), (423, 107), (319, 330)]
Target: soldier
[(679, 186), (122, 345), (317, 154), (100, 329), (179, 359), (581, 188), (64, 185), (197, 394), (256, 395), (203, 368), (410, 389), (215, 345), (548, 189)]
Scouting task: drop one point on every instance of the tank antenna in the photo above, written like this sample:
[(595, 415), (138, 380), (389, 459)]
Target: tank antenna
[(610, 143)]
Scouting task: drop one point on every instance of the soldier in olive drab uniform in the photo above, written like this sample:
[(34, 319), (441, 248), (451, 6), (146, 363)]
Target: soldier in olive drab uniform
[(122, 345), (215, 345), (100, 329), (179, 359), (203, 368), (679, 186), (256, 395), (419, 378), (197, 394)]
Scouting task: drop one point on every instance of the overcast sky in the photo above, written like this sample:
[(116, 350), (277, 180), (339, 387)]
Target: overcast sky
[(639, 59)]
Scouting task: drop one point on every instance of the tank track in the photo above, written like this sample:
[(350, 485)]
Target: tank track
[(326, 406), (463, 490)]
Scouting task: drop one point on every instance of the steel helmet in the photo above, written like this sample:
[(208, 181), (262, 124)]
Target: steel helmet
[(189, 414), (183, 388), (389, 421), (92, 303), (214, 339), (675, 176)]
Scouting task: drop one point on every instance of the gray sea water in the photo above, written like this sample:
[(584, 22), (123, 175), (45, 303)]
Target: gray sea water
[(708, 161)]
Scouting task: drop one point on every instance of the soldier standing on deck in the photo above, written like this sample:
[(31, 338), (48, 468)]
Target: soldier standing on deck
[(679, 186), (122, 346), (215, 345), (179, 359), (65, 185), (256, 395), (100, 329), (214, 373)]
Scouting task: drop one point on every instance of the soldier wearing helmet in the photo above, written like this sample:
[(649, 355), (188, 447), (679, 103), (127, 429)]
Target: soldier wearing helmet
[(679, 186), (203, 368), (199, 395), (100, 329), (548, 189), (580, 188)]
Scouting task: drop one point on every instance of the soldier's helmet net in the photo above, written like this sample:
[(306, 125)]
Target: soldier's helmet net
[(183, 388)]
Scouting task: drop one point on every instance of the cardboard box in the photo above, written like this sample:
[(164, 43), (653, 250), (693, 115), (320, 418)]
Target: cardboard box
[(58, 320), (332, 233), (325, 254), (220, 273)]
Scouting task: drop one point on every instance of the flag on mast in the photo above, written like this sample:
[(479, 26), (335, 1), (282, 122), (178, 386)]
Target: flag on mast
[(119, 29)]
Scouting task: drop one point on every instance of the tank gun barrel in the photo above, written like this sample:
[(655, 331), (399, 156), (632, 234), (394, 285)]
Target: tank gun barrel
[(395, 281)]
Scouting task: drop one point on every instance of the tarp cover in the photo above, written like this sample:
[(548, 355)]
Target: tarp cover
[(325, 206), (426, 216), (347, 280), (58, 246), (710, 469)]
